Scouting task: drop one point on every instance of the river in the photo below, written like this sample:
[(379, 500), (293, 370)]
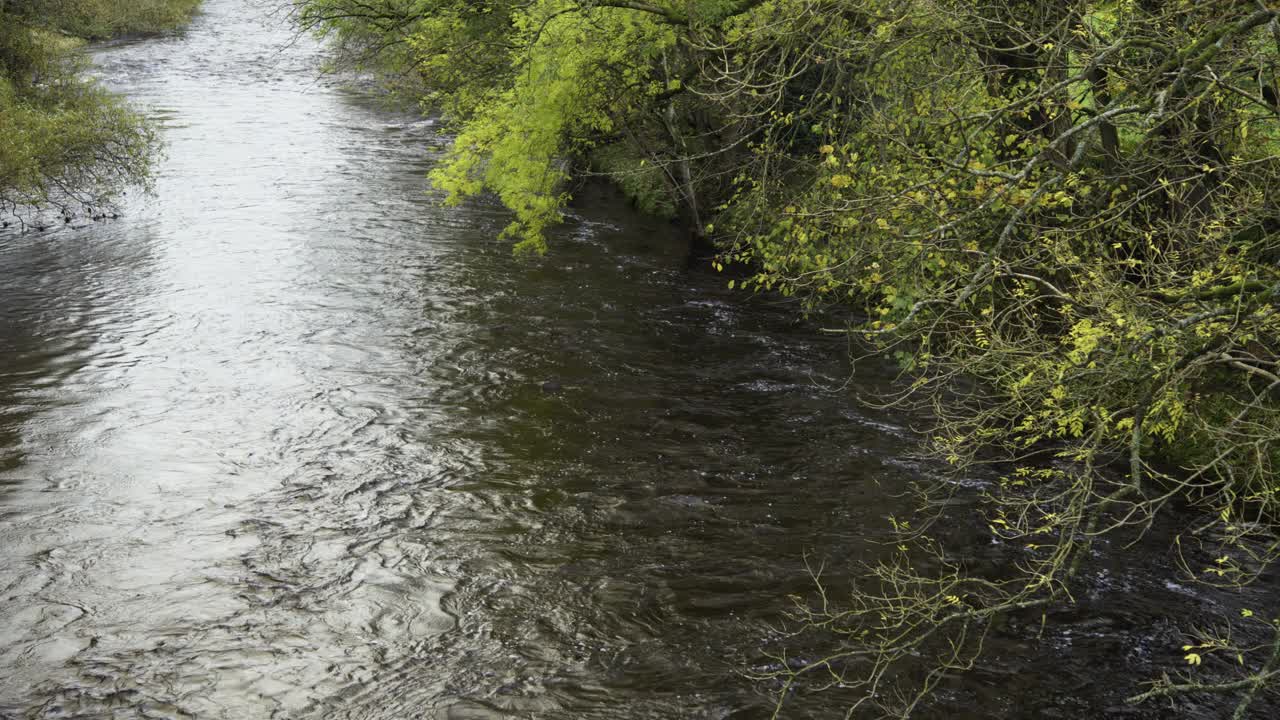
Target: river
[(290, 439)]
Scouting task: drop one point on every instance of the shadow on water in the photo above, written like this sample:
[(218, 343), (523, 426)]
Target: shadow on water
[(293, 440)]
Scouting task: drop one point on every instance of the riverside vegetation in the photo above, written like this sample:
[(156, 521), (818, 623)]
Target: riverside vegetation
[(1060, 216), (65, 143)]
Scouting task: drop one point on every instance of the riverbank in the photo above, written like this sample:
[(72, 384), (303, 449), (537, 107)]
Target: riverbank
[(68, 147), (114, 19)]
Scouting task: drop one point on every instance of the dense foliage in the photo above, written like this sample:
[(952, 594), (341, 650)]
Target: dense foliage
[(1061, 216), (65, 142)]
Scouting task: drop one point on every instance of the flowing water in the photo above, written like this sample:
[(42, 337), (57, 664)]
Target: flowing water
[(290, 439)]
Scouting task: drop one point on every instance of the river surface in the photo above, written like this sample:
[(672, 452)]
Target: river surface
[(292, 440)]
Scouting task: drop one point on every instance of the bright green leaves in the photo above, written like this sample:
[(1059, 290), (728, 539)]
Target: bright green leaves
[(574, 74)]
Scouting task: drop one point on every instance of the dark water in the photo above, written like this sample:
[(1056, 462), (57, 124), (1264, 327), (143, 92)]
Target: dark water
[(292, 440)]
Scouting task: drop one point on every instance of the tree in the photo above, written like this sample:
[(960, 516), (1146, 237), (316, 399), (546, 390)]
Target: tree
[(1061, 216)]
